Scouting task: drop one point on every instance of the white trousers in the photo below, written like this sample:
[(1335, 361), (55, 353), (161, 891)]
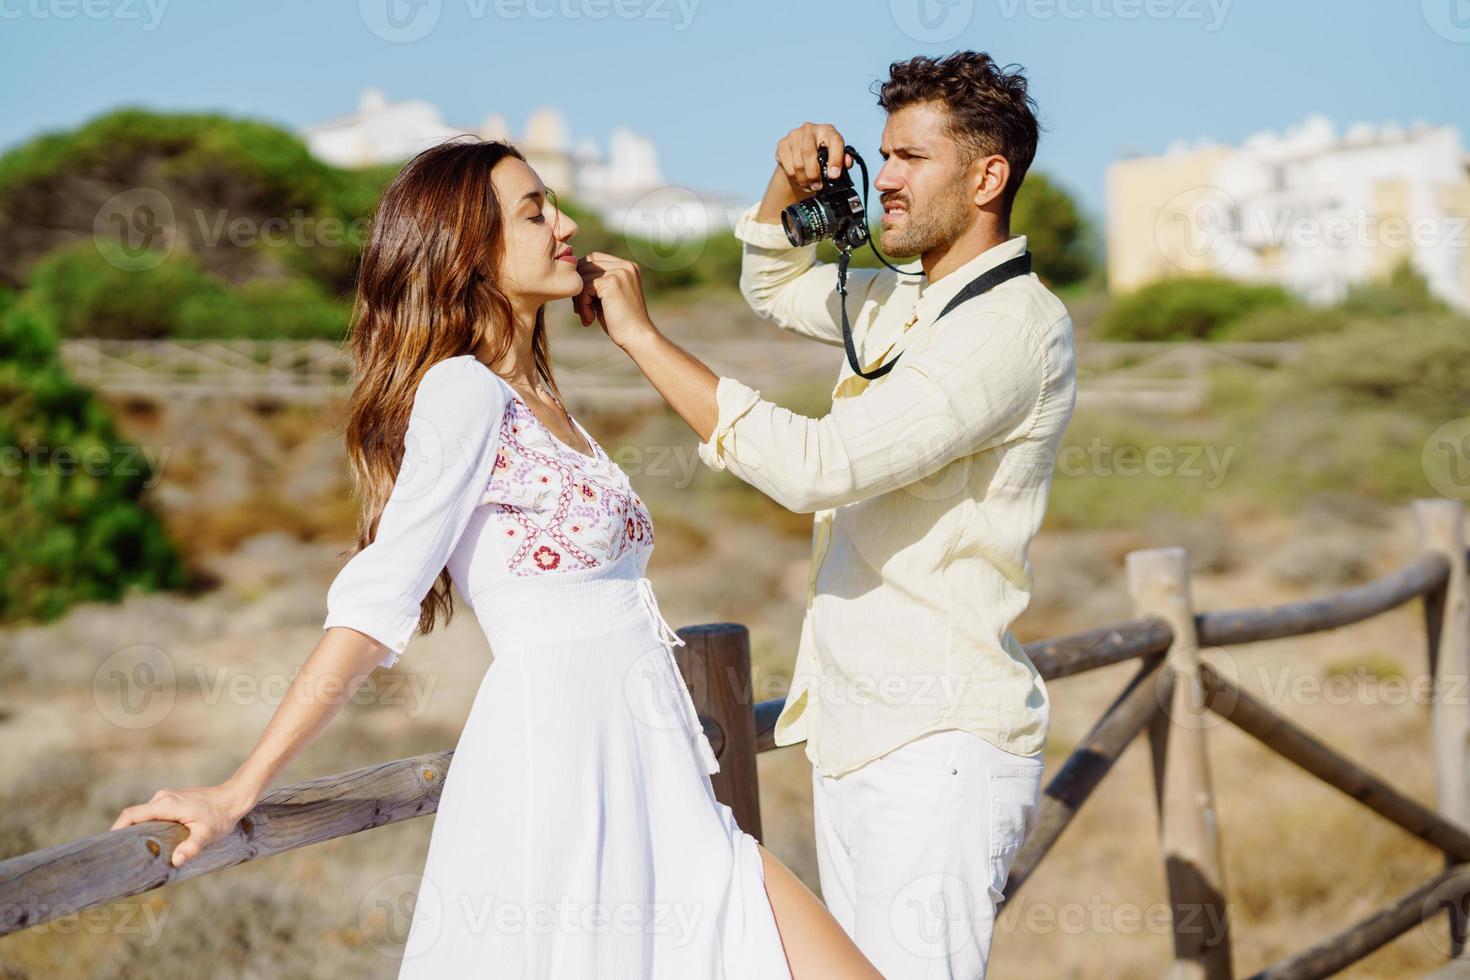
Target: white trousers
[(913, 850)]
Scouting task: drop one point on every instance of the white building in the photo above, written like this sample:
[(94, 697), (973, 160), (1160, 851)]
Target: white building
[(1311, 209), (625, 185)]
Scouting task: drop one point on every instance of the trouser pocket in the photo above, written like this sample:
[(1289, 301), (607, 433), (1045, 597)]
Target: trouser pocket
[(1014, 795)]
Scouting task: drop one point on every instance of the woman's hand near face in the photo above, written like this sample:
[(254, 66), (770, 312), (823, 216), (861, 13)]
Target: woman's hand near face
[(612, 294)]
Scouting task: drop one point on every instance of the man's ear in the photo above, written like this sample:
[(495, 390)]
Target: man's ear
[(989, 175)]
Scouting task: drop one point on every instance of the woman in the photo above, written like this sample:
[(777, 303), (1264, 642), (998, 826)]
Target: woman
[(577, 833)]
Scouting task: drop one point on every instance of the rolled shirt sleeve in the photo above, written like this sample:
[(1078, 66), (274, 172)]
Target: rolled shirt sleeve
[(449, 450), (788, 286), (976, 385)]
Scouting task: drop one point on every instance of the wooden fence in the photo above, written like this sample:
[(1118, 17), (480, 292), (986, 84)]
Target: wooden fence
[(1162, 377), (1166, 699)]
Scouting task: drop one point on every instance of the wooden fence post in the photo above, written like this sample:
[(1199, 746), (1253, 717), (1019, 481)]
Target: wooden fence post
[(1441, 528), (1158, 580), (716, 666)]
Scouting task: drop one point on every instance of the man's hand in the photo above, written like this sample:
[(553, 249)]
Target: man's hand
[(798, 174), (796, 155), (612, 294)]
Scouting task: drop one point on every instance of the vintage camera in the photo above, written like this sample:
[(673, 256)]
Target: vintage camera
[(836, 211)]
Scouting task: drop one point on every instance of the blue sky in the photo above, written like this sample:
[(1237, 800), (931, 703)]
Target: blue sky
[(716, 82)]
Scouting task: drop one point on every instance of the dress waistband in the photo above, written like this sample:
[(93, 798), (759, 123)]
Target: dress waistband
[(565, 606), (562, 608)]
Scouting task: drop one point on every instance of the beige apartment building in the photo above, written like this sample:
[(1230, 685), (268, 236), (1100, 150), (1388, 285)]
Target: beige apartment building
[(1310, 210)]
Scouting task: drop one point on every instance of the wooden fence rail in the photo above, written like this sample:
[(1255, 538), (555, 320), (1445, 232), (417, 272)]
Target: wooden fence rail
[(1154, 376), (1173, 687)]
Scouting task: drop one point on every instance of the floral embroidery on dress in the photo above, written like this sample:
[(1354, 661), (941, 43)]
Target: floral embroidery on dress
[(560, 509)]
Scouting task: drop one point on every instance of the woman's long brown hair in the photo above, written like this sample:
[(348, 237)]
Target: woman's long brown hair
[(427, 290)]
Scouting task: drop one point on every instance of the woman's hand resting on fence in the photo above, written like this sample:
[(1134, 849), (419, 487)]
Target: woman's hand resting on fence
[(209, 812)]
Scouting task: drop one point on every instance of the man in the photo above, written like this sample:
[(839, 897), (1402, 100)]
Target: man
[(923, 717)]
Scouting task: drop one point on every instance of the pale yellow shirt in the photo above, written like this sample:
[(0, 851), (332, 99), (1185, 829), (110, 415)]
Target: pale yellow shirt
[(927, 485)]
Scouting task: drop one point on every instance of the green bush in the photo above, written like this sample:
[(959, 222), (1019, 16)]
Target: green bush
[(84, 293), (90, 291), (1057, 235), (75, 526), (295, 309), (1419, 364), (212, 165), (262, 163), (1404, 292), (1187, 309), (1285, 323)]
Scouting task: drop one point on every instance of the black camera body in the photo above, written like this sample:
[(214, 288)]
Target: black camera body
[(836, 211)]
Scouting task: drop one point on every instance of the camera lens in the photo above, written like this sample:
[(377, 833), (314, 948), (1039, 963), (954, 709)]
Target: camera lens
[(807, 221), (792, 226)]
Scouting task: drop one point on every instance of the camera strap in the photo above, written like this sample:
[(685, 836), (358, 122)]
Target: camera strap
[(986, 281)]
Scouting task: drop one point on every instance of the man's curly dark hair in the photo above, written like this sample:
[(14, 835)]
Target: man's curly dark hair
[(989, 110)]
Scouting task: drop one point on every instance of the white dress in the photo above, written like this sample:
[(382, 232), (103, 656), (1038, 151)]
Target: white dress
[(578, 835)]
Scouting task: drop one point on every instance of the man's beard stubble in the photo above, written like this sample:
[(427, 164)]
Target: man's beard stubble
[(930, 224)]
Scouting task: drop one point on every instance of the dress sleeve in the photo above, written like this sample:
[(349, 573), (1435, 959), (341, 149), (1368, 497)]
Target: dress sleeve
[(449, 451)]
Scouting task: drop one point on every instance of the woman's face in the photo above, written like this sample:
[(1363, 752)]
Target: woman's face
[(537, 265)]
